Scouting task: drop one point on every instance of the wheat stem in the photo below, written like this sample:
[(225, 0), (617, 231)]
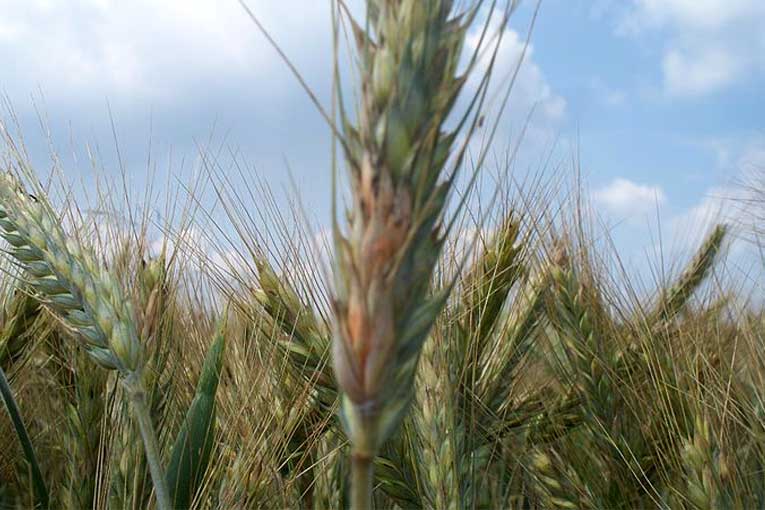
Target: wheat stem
[(361, 481), (149, 436)]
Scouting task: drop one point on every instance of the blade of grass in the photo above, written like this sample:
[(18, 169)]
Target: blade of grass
[(194, 443)]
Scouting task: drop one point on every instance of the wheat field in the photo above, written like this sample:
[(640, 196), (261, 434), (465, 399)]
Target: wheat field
[(432, 350)]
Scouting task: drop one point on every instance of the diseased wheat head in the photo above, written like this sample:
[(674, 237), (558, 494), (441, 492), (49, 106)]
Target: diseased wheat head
[(397, 152)]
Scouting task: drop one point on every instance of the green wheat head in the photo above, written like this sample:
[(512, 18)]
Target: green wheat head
[(86, 297)]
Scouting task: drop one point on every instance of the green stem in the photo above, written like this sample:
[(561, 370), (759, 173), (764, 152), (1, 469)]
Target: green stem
[(361, 481), (149, 436)]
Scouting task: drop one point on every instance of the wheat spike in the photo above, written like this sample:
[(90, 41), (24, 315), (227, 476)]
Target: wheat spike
[(513, 342), (706, 472), (305, 341), (673, 299), (396, 152), (559, 487), (438, 431), (331, 468), (130, 484), (488, 283), (584, 356), (87, 298), (83, 435)]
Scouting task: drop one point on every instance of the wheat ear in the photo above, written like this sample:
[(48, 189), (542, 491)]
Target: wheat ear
[(83, 434), (583, 351), (559, 486), (87, 298), (438, 431), (676, 296), (488, 283), (396, 153), (705, 468)]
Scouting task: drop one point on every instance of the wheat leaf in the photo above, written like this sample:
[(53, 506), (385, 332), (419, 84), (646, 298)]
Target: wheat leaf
[(194, 443)]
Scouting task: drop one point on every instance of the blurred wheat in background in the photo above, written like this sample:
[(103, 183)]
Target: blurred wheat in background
[(460, 352)]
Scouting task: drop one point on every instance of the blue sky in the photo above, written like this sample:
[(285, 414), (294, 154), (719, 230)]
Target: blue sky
[(662, 98)]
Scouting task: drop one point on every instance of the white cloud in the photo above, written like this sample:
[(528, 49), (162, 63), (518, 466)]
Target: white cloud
[(750, 206), (195, 63), (531, 121), (702, 71), (684, 232), (147, 53), (622, 197), (712, 44), (653, 248), (531, 90), (149, 50), (695, 14)]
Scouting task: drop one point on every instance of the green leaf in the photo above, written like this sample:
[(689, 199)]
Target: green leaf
[(194, 443), (38, 484)]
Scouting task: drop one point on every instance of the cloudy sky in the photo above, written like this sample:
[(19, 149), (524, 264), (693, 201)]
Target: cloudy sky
[(662, 99)]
